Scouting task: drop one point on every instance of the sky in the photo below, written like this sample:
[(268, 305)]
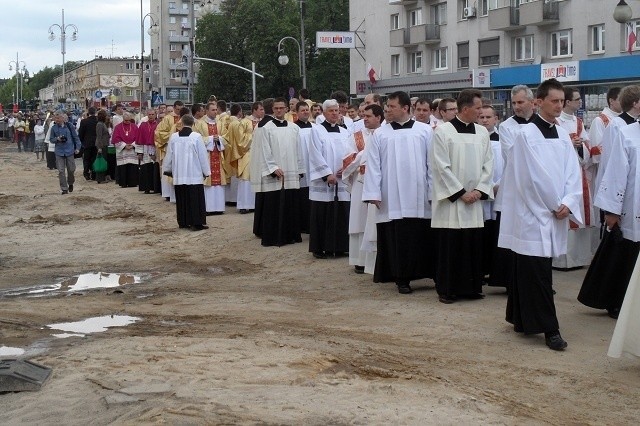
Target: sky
[(25, 30)]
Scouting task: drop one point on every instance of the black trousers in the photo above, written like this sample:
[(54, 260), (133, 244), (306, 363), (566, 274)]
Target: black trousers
[(88, 157)]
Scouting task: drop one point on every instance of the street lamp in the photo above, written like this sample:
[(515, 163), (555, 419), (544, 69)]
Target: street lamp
[(153, 30), (284, 59), (622, 13), (63, 44), (17, 64)]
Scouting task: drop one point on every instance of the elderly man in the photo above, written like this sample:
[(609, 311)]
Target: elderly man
[(67, 143), (146, 151)]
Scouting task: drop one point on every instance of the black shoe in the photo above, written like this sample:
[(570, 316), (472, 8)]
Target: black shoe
[(404, 288), (447, 300), (555, 342), (319, 255), (199, 227), (147, 192), (243, 211), (474, 296), (87, 176), (70, 188), (64, 192), (613, 312), (359, 269)]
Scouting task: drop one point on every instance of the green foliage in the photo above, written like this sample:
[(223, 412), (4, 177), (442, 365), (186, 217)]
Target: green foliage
[(248, 31)]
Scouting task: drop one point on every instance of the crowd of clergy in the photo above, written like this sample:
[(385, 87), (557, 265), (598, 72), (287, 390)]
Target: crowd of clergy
[(414, 188)]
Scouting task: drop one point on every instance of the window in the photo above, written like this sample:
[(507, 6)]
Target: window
[(439, 13), (440, 59), (561, 44), (395, 64), (486, 5), (172, 5), (172, 33), (137, 65), (635, 27), (463, 55), (489, 51), (523, 48), (185, 5), (184, 20), (415, 17), (462, 5), (172, 61), (596, 38), (128, 92), (395, 21), (172, 19), (415, 62), (172, 48), (128, 66), (172, 75)]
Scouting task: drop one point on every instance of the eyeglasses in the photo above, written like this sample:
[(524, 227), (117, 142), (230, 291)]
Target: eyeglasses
[(451, 109)]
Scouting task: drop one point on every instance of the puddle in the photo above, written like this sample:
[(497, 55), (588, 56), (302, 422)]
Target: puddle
[(90, 281), (9, 351), (93, 325)]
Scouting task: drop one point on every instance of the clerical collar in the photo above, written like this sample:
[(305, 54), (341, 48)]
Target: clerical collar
[(522, 120), (185, 131), (280, 123), (627, 118), (303, 124), (462, 127), (405, 125), (331, 128), (567, 116), (494, 136), (548, 130)]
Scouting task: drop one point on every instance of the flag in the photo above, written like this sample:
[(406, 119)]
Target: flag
[(632, 39), (371, 73)]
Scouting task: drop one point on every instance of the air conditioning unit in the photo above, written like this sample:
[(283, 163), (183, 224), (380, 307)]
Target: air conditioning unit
[(469, 12)]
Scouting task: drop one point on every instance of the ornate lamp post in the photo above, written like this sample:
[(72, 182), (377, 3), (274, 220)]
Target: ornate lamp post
[(63, 45)]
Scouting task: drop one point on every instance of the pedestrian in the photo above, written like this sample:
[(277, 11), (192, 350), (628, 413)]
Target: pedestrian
[(541, 186), (214, 192), (124, 137), (103, 139), (146, 152), (67, 144), (187, 163), (40, 145), (87, 134)]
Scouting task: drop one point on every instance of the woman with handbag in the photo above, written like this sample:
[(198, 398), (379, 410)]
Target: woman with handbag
[(102, 142)]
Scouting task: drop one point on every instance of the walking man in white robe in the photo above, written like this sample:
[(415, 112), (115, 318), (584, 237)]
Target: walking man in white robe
[(354, 169), (541, 187), (397, 183)]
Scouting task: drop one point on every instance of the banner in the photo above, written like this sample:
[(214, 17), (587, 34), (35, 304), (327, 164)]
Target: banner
[(335, 40)]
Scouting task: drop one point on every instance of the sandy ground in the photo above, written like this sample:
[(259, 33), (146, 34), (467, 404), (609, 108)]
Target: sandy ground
[(234, 333)]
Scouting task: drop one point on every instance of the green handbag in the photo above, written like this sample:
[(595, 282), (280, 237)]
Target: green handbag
[(100, 164)]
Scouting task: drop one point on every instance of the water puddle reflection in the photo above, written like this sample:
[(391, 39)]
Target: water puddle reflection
[(90, 281), (93, 325), (9, 351)]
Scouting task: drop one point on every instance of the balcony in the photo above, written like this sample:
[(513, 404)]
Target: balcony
[(402, 2), (505, 19), (399, 37), (539, 13), (176, 11), (426, 34), (179, 39)]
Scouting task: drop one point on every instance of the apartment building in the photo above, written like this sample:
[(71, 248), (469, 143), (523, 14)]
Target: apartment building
[(100, 82), (177, 21), (436, 48)]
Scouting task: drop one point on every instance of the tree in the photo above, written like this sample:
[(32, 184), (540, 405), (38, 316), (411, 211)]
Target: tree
[(248, 31)]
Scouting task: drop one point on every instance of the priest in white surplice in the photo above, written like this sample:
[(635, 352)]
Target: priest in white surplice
[(303, 114), (353, 171), (597, 128), (276, 169), (542, 187), (397, 182), (619, 197), (580, 244), (329, 222), (606, 280), (187, 163), (462, 163)]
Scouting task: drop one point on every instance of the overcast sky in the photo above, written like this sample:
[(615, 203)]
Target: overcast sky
[(25, 24)]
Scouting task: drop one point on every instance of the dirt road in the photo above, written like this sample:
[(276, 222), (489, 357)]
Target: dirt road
[(230, 332)]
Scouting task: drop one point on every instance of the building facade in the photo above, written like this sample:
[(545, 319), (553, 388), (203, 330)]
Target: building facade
[(436, 48), (100, 82), (177, 20)]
